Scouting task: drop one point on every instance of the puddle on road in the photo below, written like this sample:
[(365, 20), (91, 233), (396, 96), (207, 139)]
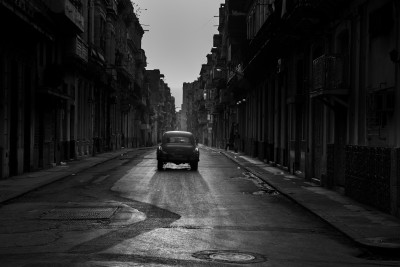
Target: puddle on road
[(265, 192), (265, 188)]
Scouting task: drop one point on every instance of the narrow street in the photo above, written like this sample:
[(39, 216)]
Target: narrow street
[(293, 105), (126, 213)]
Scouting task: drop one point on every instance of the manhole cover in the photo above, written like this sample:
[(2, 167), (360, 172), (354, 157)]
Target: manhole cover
[(230, 256), (79, 213)]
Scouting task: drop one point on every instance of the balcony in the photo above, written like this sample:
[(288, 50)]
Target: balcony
[(218, 74), (131, 41), (112, 7), (68, 11), (305, 15), (139, 81), (140, 57), (222, 11), (54, 85), (124, 64), (217, 40), (78, 49), (328, 76)]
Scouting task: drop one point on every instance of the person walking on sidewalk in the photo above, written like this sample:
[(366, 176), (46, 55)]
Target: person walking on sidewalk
[(236, 138), (230, 143), (231, 139), (233, 142)]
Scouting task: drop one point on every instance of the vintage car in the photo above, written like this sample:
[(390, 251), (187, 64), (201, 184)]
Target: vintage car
[(178, 147)]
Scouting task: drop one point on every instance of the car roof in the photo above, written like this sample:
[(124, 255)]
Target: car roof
[(177, 133)]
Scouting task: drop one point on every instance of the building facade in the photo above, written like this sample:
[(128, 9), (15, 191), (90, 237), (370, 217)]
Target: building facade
[(194, 116), (313, 87), (71, 82), (162, 104)]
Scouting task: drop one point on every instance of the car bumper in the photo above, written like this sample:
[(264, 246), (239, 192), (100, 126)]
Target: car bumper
[(177, 158)]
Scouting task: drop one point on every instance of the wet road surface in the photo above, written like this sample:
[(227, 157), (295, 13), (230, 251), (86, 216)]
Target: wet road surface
[(126, 213)]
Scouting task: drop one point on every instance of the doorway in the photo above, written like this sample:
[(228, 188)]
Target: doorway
[(27, 120), (14, 119), (340, 145)]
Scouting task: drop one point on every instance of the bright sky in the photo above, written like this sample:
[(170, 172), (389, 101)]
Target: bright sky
[(179, 38)]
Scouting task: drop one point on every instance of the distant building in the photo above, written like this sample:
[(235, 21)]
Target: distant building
[(162, 103)]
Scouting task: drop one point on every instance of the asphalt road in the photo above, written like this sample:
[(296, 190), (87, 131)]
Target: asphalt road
[(126, 213)]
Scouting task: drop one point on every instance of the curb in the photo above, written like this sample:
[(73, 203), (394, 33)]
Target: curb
[(347, 231)]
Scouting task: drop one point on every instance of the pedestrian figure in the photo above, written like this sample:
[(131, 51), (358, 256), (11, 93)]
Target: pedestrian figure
[(236, 138), (231, 141)]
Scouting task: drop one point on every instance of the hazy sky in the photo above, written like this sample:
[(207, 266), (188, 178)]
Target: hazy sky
[(179, 38)]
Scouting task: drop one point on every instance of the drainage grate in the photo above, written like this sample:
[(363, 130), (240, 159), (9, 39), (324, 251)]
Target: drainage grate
[(79, 213), (230, 256)]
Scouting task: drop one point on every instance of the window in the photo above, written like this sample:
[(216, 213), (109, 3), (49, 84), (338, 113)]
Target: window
[(181, 140), (380, 105)]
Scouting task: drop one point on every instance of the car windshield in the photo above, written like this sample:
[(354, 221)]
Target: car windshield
[(178, 139)]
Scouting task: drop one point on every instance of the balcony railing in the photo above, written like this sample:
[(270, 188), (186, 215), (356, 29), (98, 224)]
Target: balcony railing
[(328, 75), (112, 7), (68, 11), (217, 75), (79, 49), (126, 65)]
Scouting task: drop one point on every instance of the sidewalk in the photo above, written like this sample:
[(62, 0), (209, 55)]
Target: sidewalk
[(19, 185), (363, 224)]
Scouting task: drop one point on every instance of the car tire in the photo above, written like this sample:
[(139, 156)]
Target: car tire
[(160, 165), (194, 166)]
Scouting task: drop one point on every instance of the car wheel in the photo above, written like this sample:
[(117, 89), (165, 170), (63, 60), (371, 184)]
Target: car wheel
[(194, 165), (160, 165)]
